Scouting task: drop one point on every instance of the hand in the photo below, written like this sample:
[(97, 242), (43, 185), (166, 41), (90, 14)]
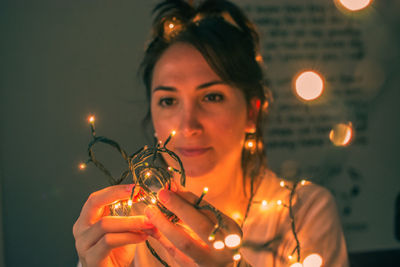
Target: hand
[(188, 241), (103, 240)]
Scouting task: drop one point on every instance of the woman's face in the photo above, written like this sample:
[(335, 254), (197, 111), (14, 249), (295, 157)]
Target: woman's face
[(209, 116)]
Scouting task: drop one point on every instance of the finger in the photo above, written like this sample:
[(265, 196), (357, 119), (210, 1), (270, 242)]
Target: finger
[(94, 206), (176, 254), (113, 224), (198, 221), (110, 241), (176, 235)]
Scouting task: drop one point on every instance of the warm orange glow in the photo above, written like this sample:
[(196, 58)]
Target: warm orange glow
[(236, 216), (211, 238), (282, 183), (173, 133), (341, 134), (82, 166), (171, 25), (297, 264), (205, 190), (237, 257), (279, 202), (264, 203), (117, 205), (147, 175), (91, 119), (303, 182), (312, 260), (219, 245), (309, 85), (130, 202), (249, 144), (170, 169), (355, 5), (232, 241), (153, 201)]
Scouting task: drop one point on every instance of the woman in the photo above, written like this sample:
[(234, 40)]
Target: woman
[(204, 80)]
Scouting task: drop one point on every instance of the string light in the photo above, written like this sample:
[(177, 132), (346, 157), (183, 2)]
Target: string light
[(296, 264), (303, 182), (264, 203), (309, 85), (279, 202), (232, 240), (312, 260), (282, 183), (237, 257), (218, 245), (82, 166), (91, 119)]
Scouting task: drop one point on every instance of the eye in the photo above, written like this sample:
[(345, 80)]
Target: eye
[(166, 102), (214, 97)]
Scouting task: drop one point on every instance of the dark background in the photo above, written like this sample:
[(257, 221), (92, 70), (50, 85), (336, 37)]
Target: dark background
[(60, 62)]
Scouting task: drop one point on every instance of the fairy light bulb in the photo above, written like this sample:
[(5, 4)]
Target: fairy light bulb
[(130, 202), (309, 85), (237, 257), (170, 169), (354, 5), (82, 166), (173, 133), (264, 203), (91, 119), (312, 260), (297, 264), (303, 182), (282, 183), (279, 202), (232, 240), (211, 237), (218, 245), (205, 190)]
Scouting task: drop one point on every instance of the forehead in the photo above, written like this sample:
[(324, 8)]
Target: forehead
[(182, 63)]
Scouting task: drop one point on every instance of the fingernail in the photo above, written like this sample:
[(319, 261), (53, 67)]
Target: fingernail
[(164, 195), (150, 211)]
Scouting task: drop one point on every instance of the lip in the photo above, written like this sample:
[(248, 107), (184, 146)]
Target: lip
[(192, 151)]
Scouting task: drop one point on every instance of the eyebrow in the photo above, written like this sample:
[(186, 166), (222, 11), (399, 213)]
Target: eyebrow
[(201, 86)]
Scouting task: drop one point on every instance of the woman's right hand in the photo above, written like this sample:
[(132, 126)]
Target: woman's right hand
[(103, 240)]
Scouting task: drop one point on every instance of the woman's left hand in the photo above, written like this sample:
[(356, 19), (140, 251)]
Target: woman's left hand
[(187, 241)]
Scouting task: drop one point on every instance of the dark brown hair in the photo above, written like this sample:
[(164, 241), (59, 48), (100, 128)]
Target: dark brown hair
[(228, 41)]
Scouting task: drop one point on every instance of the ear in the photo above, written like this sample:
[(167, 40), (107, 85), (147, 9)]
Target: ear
[(253, 110)]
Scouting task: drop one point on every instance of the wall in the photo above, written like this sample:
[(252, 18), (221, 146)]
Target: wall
[(62, 60)]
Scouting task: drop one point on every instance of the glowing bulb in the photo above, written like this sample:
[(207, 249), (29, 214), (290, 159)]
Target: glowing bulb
[(82, 166), (170, 169), (91, 119), (250, 144), (355, 5), (147, 175), (171, 25), (117, 205), (205, 190), (264, 203), (173, 133), (237, 257), (232, 241), (236, 216), (303, 182), (153, 201), (130, 202), (297, 264), (211, 237), (312, 260), (290, 257), (279, 202), (341, 134), (309, 85), (219, 245), (282, 183)]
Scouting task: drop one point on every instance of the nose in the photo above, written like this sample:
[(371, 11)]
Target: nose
[(190, 124)]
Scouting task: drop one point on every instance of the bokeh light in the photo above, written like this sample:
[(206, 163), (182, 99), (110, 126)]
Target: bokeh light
[(312, 260), (297, 264), (354, 5), (237, 257), (232, 241), (341, 134), (309, 85), (219, 245)]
